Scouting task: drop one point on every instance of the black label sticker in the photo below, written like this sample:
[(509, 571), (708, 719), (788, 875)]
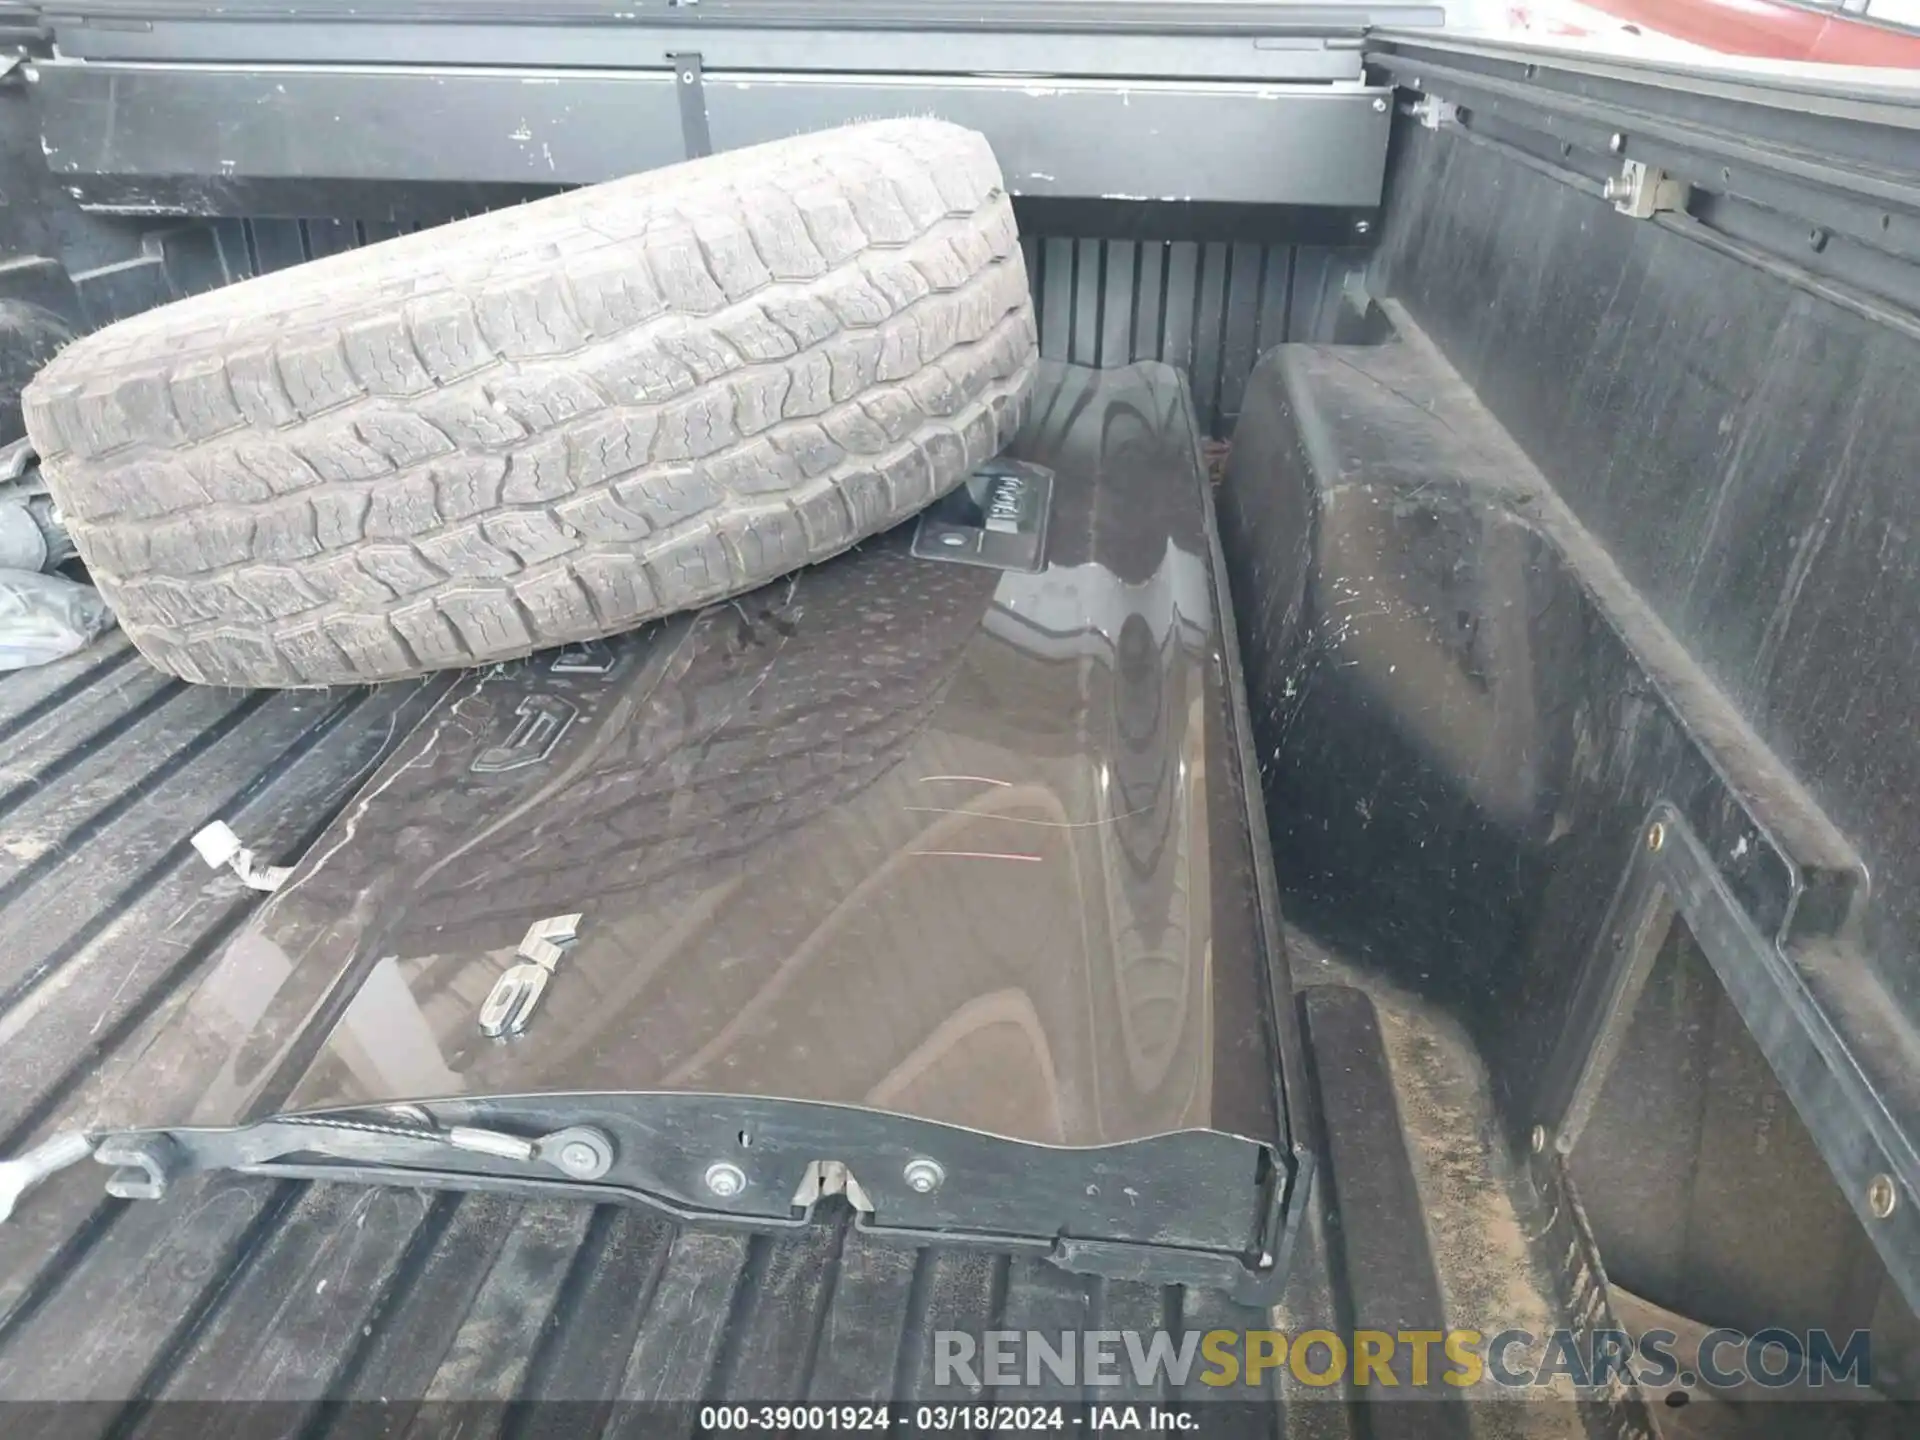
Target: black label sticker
[(997, 518)]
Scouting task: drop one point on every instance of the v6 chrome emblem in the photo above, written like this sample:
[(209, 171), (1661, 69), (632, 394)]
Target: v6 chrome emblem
[(516, 994)]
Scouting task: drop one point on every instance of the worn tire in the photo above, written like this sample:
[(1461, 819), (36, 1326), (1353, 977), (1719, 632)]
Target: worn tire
[(550, 423)]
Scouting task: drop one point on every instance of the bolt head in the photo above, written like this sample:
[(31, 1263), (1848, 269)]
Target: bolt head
[(725, 1180), (924, 1176), (579, 1158), (1656, 837), (1881, 1196)]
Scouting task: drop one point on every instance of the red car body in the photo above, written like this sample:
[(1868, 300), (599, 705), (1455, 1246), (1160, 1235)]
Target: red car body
[(1773, 30)]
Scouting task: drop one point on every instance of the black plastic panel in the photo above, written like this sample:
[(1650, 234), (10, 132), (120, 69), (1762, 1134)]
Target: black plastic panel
[(1210, 308), (1743, 449), (1206, 288)]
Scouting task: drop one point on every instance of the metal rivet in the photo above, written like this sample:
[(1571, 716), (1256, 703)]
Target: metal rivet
[(1881, 1196), (725, 1180), (1616, 142), (1539, 1138), (1656, 836), (924, 1176), (1380, 106)]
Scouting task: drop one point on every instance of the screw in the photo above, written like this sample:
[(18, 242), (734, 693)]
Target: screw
[(725, 1180), (924, 1176), (579, 1158), (1539, 1138), (1362, 227), (1616, 142), (1656, 836), (1881, 1196), (1380, 106)]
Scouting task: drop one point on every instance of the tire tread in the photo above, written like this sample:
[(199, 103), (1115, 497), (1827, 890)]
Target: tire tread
[(546, 424)]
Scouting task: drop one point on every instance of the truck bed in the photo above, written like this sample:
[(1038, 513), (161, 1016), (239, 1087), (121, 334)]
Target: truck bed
[(1613, 611), (298, 1293)]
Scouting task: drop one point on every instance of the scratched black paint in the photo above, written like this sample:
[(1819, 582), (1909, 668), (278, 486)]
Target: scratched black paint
[(962, 846)]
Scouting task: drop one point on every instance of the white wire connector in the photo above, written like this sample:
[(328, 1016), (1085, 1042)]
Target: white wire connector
[(219, 846)]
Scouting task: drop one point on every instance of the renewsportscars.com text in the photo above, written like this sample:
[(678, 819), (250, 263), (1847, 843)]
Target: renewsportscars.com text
[(1723, 1359)]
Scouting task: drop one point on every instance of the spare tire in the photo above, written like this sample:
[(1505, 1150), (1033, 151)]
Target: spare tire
[(550, 423)]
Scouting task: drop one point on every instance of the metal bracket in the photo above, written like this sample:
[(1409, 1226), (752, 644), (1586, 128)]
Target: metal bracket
[(694, 135), (1432, 112), (144, 1165), (148, 1162), (1641, 191)]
